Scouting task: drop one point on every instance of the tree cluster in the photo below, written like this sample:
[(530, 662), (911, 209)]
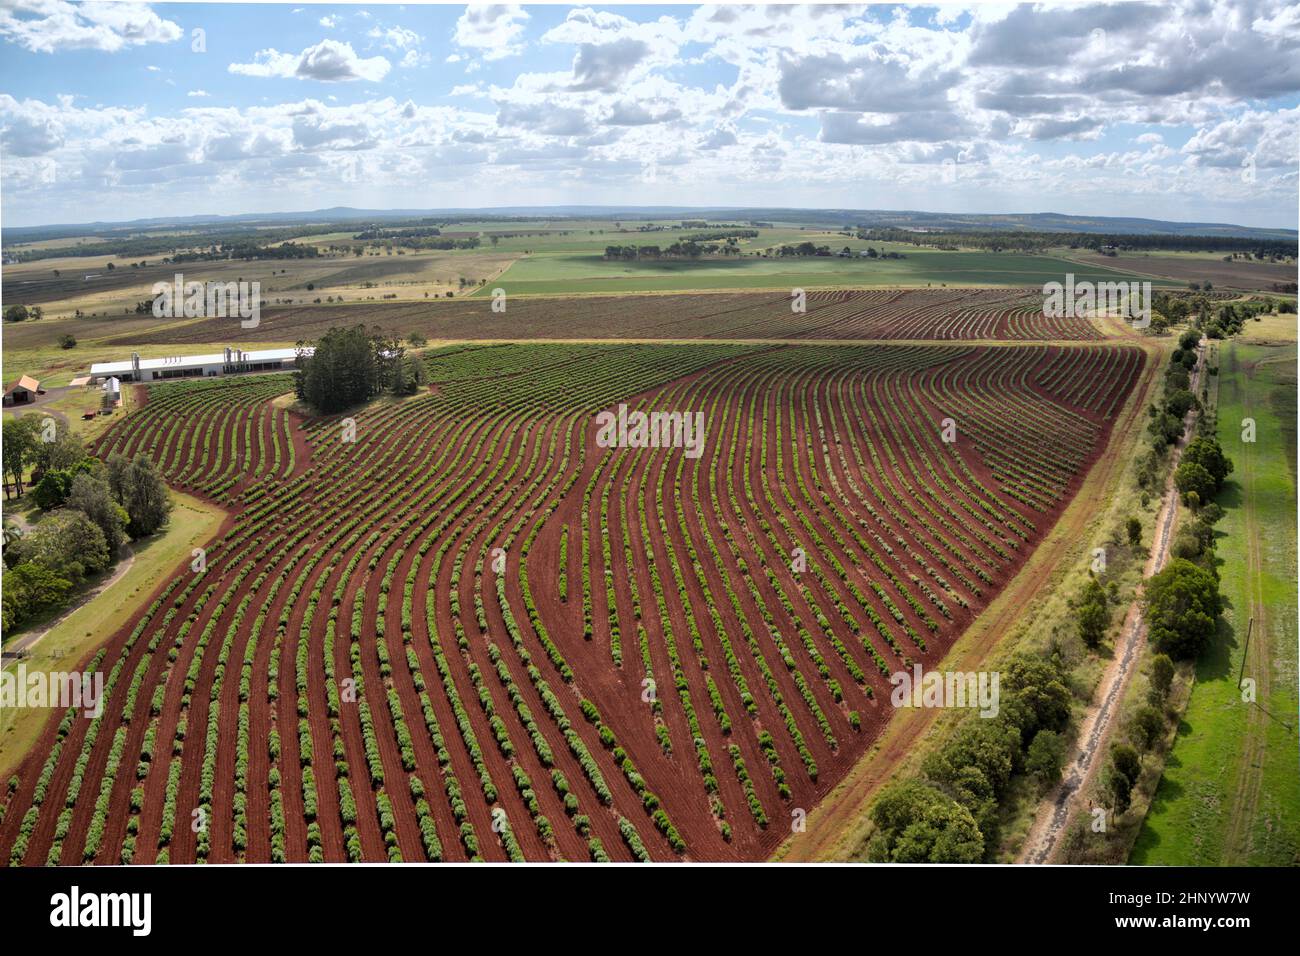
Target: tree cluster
[(352, 365), (89, 507), (952, 813)]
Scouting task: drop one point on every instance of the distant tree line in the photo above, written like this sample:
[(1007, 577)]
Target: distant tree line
[(1007, 240), (434, 242), (133, 243), (812, 249), (683, 249), (722, 234), (378, 232), (285, 250)]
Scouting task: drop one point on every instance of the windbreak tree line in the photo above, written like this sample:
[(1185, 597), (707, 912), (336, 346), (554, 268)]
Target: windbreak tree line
[(352, 365)]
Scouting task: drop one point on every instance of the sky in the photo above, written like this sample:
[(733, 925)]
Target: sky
[(1184, 110)]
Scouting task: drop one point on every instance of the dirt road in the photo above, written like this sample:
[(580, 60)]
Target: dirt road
[(19, 647), (1060, 806)]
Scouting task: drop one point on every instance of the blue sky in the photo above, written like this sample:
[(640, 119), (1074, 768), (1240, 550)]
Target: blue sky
[(1184, 110)]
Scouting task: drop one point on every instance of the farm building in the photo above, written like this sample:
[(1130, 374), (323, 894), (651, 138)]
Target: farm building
[(22, 392), (227, 362)]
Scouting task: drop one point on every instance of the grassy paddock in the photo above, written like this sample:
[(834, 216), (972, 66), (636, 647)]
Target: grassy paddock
[(1231, 788), (577, 273)]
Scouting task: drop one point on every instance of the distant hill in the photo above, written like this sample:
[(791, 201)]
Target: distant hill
[(1016, 222)]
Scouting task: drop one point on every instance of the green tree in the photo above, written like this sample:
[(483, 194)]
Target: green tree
[(62, 451), (1162, 676), (1178, 403), (410, 376), (341, 373), (1206, 452), (390, 364), (1046, 758), (1191, 478), (1091, 614), (1122, 774), (1126, 761), (988, 746), (93, 497), (30, 589), (1186, 546), (1121, 789), (140, 490), (1182, 605), (1134, 528), (1034, 695), (52, 490), (1165, 430), (67, 543), (1211, 513), (916, 823), (1148, 725), (21, 436)]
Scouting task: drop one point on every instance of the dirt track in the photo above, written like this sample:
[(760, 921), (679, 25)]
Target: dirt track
[(1060, 807)]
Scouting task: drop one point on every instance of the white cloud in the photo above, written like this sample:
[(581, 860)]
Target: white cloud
[(44, 26), (199, 94), (396, 38), (329, 61), (1269, 139), (29, 136), (494, 29), (823, 105)]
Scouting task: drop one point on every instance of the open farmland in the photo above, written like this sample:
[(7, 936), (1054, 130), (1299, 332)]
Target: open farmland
[(894, 314), (1233, 274), (644, 670), (569, 273)]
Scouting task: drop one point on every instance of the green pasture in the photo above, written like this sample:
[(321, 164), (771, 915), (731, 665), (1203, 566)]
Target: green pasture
[(571, 272), (1214, 805)]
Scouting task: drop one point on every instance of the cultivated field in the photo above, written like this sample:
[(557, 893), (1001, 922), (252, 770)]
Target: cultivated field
[(1184, 268), (475, 633), (969, 314)]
